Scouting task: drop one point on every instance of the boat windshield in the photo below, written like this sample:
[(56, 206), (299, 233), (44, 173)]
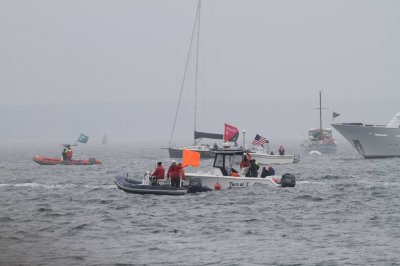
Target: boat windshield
[(224, 163)]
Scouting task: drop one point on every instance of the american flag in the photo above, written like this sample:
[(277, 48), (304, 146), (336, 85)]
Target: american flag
[(258, 140)]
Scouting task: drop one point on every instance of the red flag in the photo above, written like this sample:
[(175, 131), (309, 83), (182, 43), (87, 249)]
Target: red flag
[(191, 158), (231, 133)]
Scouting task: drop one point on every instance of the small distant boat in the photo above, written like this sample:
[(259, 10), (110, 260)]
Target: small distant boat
[(53, 161), (319, 139), (373, 141), (264, 158), (105, 141)]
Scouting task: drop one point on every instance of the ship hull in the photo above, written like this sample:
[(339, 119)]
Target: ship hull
[(371, 141)]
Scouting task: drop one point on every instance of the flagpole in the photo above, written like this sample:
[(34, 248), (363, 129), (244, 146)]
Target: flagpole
[(244, 142)]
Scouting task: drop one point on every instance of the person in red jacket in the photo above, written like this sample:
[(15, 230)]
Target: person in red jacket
[(69, 153), (159, 172), (174, 173), (281, 150)]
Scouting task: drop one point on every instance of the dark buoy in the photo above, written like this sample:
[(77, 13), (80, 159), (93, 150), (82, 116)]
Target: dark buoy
[(217, 186)]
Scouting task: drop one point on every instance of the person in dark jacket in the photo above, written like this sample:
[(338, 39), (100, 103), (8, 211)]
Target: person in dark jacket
[(174, 172), (271, 171), (245, 166), (264, 172), (253, 168), (64, 154)]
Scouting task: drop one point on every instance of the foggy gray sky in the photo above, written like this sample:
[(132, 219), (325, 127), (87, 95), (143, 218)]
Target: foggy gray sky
[(115, 67)]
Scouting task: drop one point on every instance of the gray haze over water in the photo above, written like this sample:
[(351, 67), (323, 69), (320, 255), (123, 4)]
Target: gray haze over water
[(115, 67)]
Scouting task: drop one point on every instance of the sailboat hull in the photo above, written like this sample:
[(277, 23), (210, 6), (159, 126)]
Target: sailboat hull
[(319, 146), (178, 153)]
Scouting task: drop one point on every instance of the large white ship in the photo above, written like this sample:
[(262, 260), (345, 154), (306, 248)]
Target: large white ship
[(373, 141)]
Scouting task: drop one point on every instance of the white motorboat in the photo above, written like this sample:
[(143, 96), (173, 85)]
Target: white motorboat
[(319, 139), (373, 141), (264, 158), (221, 175)]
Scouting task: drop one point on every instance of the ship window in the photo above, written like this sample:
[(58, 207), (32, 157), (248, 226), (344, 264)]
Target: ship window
[(380, 135)]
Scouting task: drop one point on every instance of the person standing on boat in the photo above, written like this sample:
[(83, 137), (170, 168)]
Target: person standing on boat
[(182, 172), (253, 168), (174, 173), (281, 150), (69, 153), (64, 154), (159, 172), (244, 166)]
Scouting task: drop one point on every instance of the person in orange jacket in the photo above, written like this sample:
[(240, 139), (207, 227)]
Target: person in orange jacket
[(182, 174)]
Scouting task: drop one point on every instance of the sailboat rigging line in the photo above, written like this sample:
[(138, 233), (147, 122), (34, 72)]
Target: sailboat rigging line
[(184, 74)]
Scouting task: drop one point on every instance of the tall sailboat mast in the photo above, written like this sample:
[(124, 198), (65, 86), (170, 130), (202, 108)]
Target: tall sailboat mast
[(197, 68), (184, 76)]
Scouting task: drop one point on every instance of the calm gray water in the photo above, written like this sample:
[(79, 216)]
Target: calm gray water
[(344, 210)]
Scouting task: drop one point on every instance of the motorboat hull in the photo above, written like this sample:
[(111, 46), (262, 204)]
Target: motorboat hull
[(371, 141), (53, 161), (136, 187), (267, 159), (226, 182)]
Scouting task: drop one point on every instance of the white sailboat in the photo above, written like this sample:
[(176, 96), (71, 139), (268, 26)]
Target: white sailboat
[(319, 139), (206, 151)]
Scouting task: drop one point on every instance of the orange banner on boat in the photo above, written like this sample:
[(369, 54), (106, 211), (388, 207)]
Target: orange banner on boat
[(190, 158)]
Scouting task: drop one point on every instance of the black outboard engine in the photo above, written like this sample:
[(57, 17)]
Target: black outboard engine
[(196, 186), (288, 180), (92, 160)]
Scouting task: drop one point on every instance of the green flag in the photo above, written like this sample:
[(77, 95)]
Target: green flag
[(82, 138)]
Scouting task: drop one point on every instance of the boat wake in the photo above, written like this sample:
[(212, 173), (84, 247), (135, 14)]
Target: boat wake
[(56, 186)]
